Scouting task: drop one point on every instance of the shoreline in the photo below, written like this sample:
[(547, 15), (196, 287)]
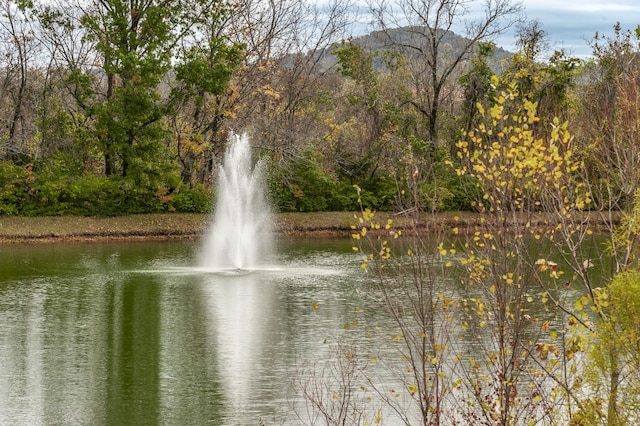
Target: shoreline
[(52, 229), (147, 227)]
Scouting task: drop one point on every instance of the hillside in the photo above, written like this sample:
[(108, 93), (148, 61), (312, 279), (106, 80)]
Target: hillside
[(379, 41)]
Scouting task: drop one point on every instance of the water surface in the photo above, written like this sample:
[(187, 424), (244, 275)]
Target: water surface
[(132, 333)]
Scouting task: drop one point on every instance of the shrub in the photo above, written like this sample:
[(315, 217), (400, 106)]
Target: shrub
[(12, 188), (302, 186), (192, 200)]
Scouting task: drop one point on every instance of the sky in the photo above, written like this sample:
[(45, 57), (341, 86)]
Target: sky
[(571, 24)]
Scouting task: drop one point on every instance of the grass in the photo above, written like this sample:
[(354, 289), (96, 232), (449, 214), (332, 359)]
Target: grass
[(74, 227), (156, 226), (148, 226)]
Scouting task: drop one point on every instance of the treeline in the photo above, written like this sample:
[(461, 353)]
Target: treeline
[(113, 107)]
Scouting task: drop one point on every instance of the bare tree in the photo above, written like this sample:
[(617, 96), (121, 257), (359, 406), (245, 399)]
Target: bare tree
[(287, 42), (425, 40), (18, 47), (69, 60), (332, 393)]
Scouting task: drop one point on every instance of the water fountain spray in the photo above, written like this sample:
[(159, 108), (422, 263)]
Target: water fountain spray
[(240, 235)]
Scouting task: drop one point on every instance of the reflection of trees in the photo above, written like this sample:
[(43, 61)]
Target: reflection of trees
[(133, 351)]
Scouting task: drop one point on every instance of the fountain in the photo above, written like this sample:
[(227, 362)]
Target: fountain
[(240, 234)]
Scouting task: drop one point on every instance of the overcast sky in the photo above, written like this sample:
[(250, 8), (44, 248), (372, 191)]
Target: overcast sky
[(571, 24)]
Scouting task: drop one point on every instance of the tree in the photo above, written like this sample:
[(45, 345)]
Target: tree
[(524, 369), (476, 84), (118, 56), (546, 82), (135, 41), (298, 79), (363, 137), (208, 63), (283, 95), (421, 30), (610, 123), (19, 48), (517, 173)]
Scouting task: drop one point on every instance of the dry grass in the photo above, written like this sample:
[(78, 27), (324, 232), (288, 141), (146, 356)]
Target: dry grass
[(150, 226), (163, 226), (83, 228)]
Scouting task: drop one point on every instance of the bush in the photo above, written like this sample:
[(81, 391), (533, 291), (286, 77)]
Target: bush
[(97, 196), (378, 195), (614, 369), (12, 188), (303, 186), (192, 200), (62, 187)]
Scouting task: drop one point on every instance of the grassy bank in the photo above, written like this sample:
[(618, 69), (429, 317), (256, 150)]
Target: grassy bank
[(154, 226), (164, 226)]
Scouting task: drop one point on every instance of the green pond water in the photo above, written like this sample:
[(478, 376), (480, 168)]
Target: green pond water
[(132, 333), (135, 334)]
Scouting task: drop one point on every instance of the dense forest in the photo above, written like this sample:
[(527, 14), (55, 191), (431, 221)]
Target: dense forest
[(118, 107)]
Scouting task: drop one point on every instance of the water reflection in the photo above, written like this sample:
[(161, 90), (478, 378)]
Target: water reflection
[(237, 308), (191, 383), (130, 334)]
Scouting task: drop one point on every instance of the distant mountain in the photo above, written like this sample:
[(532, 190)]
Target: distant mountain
[(393, 39)]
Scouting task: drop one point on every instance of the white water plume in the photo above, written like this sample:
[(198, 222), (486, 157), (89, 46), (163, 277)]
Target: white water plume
[(240, 236)]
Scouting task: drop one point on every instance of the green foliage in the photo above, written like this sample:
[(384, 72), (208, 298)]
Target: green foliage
[(139, 44), (426, 181), (614, 370), (378, 194), (209, 71), (12, 189), (306, 187), (309, 187), (60, 186), (476, 84), (192, 200), (357, 63), (206, 67)]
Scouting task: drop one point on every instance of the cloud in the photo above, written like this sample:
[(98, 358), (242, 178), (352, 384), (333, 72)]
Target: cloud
[(589, 6), (572, 24), (569, 24)]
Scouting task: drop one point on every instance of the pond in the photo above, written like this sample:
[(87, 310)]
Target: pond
[(133, 333), (130, 333)]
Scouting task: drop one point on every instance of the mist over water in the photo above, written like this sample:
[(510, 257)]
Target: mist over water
[(240, 236)]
